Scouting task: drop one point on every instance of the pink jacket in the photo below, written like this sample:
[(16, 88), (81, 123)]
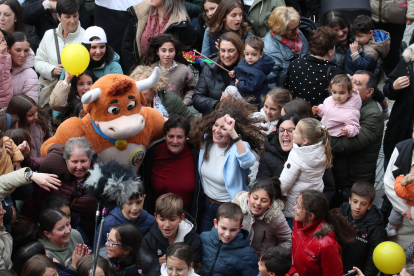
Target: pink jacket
[(336, 116), (6, 84), (25, 78)]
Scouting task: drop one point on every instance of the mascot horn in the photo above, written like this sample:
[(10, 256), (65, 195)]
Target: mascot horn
[(110, 184)]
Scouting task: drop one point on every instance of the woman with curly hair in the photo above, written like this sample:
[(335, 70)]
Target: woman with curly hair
[(226, 139), (166, 102)]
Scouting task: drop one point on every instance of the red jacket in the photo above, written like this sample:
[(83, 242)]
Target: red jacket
[(315, 250)]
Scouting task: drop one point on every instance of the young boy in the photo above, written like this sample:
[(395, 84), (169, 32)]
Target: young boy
[(363, 54), (172, 225), (226, 248), (275, 261), (368, 219), (132, 212), (251, 72)]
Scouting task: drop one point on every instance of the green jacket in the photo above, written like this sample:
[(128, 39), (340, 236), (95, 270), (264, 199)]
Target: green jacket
[(174, 104), (259, 15), (355, 158), (194, 7)]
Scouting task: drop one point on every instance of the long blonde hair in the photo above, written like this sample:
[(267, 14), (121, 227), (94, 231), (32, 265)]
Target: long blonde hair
[(315, 132)]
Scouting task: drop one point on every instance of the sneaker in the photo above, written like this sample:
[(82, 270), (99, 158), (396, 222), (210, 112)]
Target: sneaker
[(391, 232), (386, 114)]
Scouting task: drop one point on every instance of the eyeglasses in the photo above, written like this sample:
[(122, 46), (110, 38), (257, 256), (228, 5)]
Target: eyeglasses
[(294, 29), (177, 270), (298, 207), (282, 130), (111, 244)]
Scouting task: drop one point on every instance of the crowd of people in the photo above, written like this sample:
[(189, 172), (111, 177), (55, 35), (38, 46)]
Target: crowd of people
[(270, 142)]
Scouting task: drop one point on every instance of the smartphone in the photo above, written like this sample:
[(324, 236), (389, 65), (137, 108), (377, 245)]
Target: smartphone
[(352, 273)]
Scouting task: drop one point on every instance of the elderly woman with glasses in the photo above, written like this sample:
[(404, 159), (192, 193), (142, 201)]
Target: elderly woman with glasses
[(277, 146), (284, 43)]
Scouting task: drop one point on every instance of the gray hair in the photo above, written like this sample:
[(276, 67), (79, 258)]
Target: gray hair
[(176, 8), (78, 143), (372, 79)]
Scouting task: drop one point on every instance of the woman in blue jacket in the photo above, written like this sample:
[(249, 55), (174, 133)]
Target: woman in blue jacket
[(226, 139), (284, 43)]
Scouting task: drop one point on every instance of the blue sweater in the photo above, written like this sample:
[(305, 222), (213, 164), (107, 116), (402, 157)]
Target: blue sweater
[(115, 217), (253, 78), (236, 168), (235, 258)]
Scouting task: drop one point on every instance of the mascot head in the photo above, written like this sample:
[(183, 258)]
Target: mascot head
[(114, 104)]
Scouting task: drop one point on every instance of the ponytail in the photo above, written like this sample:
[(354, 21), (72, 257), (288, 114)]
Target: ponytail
[(24, 230), (315, 132), (315, 202), (326, 143)]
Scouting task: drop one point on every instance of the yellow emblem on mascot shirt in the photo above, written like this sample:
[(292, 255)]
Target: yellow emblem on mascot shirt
[(121, 144), (136, 158)]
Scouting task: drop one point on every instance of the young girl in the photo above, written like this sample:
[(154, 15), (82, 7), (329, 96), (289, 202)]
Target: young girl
[(61, 241), (85, 265), (39, 265), (71, 89), (123, 244), (62, 204), (306, 164), (263, 216), (209, 8), (340, 112), (165, 52), (273, 102), (179, 261), (25, 108), (25, 79), (316, 236), (228, 17), (103, 59)]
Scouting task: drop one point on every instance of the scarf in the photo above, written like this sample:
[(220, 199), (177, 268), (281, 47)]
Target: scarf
[(158, 105), (294, 45)]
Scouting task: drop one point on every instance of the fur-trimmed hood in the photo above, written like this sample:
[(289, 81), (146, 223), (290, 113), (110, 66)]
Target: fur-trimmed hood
[(408, 53), (272, 213), (325, 229), (408, 179)]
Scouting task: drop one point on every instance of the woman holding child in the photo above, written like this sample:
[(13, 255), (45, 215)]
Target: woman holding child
[(214, 79), (226, 139)]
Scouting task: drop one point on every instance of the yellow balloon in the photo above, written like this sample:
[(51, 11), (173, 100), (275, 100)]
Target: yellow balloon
[(75, 58), (389, 257)]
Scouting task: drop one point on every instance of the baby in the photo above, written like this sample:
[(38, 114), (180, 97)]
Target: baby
[(340, 112), (251, 72)]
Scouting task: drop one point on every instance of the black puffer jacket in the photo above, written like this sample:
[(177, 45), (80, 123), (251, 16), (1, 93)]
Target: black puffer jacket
[(370, 234), (209, 87), (355, 158), (127, 267), (155, 241), (272, 162)]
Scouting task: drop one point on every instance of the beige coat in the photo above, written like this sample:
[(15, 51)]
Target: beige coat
[(9, 182), (142, 11), (268, 229), (59, 96), (378, 8)]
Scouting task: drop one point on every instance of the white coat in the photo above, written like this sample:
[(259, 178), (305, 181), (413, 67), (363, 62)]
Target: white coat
[(303, 170)]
